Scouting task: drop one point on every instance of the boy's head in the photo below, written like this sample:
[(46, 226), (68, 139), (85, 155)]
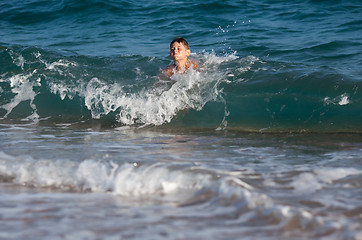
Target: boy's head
[(179, 49), (180, 40)]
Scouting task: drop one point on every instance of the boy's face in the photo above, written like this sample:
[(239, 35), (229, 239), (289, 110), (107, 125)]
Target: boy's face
[(179, 52)]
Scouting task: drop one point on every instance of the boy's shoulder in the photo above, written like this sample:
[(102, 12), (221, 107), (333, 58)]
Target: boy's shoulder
[(171, 66), (169, 70), (194, 64)]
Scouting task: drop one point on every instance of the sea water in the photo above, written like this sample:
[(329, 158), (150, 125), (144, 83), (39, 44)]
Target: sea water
[(262, 141)]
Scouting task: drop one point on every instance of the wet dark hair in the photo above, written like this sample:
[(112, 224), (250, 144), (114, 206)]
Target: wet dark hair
[(180, 40)]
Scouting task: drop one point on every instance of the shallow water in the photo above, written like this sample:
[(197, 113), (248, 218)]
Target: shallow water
[(137, 183), (263, 141)]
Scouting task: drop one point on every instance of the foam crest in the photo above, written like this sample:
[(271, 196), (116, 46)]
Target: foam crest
[(18, 59), (59, 66), (173, 184), (102, 98), (161, 182), (309, 182), (64, 90), (22, 86), (158, 181), (340, 100), (210, 59), (138, 103), (25, 86), (160, 104), (127, 179)]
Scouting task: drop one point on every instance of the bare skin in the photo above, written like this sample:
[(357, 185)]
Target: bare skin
[(179, 54)]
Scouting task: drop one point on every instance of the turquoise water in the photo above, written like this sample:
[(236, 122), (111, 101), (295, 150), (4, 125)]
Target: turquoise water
[(262, 142)]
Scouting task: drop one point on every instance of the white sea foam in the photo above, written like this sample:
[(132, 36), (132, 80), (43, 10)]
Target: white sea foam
[(64, 90), (61, 62), (58, 66), (339, 100), (127, 179), (344, 100), (154, 181), (176, 185), (171, 184), (22, 87), (312, 181), (148, 106), (18, 59), (191, 90)]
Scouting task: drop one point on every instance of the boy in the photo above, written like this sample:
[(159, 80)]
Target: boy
[(179, 52)]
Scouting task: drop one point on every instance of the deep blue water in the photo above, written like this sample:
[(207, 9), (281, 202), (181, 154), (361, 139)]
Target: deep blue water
[(263, 141)]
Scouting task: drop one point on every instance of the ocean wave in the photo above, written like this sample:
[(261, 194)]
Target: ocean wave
[(177, 185), (228, 91)]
